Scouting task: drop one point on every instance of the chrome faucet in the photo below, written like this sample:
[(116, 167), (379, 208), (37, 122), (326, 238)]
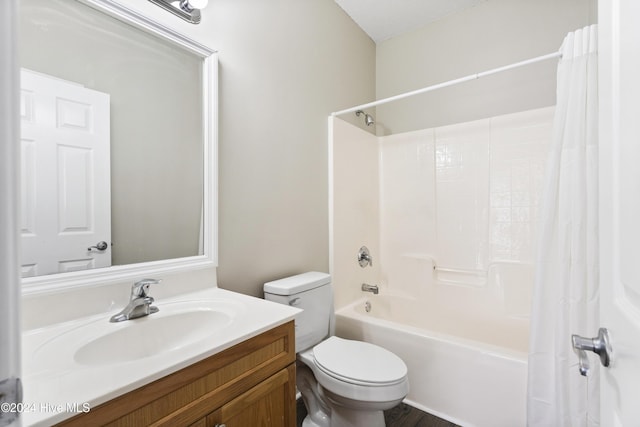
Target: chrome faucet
[(364, 257), (140, 302), (370, 288)]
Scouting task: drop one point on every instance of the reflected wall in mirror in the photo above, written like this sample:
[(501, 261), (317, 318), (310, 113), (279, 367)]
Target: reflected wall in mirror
[(113, 140)]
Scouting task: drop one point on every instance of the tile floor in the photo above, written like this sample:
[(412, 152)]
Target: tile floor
[(402, 415)]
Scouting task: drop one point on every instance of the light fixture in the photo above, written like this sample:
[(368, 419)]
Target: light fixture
[(189, 10)]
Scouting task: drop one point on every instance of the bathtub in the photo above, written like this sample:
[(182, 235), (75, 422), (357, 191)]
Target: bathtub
[(467, 368)]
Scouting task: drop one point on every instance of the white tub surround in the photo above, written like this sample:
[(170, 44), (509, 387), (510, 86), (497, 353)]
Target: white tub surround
[(64, 367), (456, 205), (450, 214)]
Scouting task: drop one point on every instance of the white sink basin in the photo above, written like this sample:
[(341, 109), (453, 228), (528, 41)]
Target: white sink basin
[(176, 326), (148, 336)]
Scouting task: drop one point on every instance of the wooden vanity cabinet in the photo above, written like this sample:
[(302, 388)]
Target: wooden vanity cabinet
[(249, 384)]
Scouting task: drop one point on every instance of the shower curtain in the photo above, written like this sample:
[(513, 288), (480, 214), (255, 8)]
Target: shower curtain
[(565, 296)]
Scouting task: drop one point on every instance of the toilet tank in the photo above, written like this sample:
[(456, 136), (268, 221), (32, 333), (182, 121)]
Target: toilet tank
[(312, 293)]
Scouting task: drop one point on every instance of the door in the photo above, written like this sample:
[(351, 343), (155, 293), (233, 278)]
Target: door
[(66, 201), (10, 290), (619, 88)]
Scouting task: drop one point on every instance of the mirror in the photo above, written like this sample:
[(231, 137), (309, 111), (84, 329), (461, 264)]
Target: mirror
[(118, 144)]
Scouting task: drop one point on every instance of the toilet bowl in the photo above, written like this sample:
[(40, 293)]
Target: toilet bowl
[(344, 383)]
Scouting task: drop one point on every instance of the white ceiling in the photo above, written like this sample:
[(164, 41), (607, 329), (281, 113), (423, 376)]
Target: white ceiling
[(384, 19)]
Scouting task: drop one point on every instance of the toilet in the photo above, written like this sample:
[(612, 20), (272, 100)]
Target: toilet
[(344, 383)]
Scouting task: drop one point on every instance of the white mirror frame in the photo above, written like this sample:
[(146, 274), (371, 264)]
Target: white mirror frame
[(85, 278)]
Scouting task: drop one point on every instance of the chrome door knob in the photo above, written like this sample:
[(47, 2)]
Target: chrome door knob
[(600, 345), (101, 246)]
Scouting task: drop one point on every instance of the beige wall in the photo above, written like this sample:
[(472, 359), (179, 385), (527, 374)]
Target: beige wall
[(284, 66), (492, 34)]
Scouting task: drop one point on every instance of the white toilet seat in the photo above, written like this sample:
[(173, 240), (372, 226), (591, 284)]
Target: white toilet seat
[(334, 371), (358, 362)]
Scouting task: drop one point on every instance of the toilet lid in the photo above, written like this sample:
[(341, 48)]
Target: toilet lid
[(358, 362)]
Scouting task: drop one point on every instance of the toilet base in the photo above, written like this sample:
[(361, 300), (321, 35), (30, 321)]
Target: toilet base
[(347, 417), (349, 413), (350, 419), (317, 410), (308, 422)]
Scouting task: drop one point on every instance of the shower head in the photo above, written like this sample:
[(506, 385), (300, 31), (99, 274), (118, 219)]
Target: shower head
[(368, 118)]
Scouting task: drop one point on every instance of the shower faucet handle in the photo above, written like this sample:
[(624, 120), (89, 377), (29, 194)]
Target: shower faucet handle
[(364, 257)]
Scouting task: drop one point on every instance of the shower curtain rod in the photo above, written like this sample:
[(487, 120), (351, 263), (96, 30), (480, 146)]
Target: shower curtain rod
[(449, 83)]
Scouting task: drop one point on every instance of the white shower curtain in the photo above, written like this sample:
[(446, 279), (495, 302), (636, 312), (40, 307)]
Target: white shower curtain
[(565, 297)]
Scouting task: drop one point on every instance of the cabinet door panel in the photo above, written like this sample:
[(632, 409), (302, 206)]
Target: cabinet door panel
[(268, 404)]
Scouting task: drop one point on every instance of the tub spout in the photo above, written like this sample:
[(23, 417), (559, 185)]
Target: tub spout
[(370, 288)]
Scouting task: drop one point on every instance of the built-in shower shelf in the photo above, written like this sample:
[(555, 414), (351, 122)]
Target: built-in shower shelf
[(455, 276)]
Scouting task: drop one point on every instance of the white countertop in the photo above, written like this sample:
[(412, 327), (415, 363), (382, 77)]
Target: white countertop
[(57, 386)]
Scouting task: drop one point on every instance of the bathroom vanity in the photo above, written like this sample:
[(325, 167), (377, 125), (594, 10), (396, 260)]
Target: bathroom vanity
[(206, 358), (249, 384)]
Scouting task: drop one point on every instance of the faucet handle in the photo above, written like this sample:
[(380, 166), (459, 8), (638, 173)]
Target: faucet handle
[(364, 257), (140, 289)]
